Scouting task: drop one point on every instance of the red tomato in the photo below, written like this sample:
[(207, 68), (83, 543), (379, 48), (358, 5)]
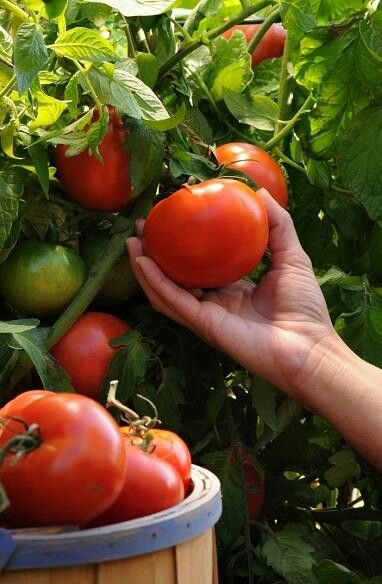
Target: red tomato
[(168, 446), (207, 235), (270, 46), (12, 407), (252, 480), (106, 185), (77, 470), (84, 351), (151, 485), (258, 164)]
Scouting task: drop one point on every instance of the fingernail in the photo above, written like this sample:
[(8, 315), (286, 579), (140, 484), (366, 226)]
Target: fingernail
[(140, 260)]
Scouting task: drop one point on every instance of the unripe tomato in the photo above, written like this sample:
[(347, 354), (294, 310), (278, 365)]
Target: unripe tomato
[(76, 471), (151, 485), (270, 46), (207, 235), (259, 166), (106, 185), (84, 350), (41, 279), (120, 283), (168, 446)]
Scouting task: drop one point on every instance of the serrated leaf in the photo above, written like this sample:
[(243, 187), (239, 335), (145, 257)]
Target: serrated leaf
[(11, 189), (30, 55), (149, 104), (72, 94), (49, 110), (289, 554), (97, 131), (187, 163), (345, 468), (84, 44), (231, 65), (41, 163), (138, 7), (258, 111)]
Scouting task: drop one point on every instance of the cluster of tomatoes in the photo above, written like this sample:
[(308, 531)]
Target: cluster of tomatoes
[(68, 463)]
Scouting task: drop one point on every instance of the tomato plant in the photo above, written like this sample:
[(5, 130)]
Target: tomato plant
[(253, 482), (41, 279), (151, 485), (104, 184), (209, 234), (270, 46), (84, 351), (76, 468), (168, 446), (259, 166), (120, 283)]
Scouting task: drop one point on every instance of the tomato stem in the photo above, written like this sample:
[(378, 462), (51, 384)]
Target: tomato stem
[(131, 52), (8, 88), (211, 34), (15, 10), (282, 99), (290, 125), (90, 87), (140, 425), (255, 40), (22, 443)]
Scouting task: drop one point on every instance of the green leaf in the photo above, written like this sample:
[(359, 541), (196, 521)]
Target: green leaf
[(30, 55), (330, 12), (299, 18), (96, 12), (289, 554), (48, 112), (72, 94), (54, 8), (149, 104), (85, 45), (11, 189), (18, 326), (139, 7), (7, 136), (231, 65), (146, 149), (345, 468), (369, 54), (264, 397), (359, 162), (187, 163), (41, 163), (5, 75), (328, 571), (169, 123), (258, 111), (97, 131), (6, 42)]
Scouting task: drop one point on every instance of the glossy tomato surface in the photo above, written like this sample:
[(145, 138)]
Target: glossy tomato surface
[(168, 446), (258, 164), (270, 46), (84, 351), (207, 235), (151, 485), (106, 185), (77, 470), (40, 279), (120, 283)]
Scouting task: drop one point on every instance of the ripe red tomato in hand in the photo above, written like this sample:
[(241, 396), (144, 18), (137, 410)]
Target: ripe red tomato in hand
[(41, 279), (103, 186), (207, 235), (168, 446), (77, 470), (259, 166), (84, 351), (151, 485), (270, 46)]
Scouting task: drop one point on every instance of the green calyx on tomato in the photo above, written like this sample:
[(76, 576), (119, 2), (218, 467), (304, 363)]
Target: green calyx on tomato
[(84, 350), (75, 472), (209, 234), (102, 186), (120, 283), (258, 165), (270, 46), (40, 279)]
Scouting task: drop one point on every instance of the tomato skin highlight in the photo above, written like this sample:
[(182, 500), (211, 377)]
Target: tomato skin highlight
[(168, 446), (259, 166), (151, 485), (270, 46), (75, 473), (102, 186), (40, 279), (84, 351), (207, 235)]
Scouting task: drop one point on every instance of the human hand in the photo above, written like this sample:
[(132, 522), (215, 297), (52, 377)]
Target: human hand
[(270, 329)]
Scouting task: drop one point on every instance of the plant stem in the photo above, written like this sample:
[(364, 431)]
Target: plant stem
[(288, 160), (189, 47), (350, 514), (130, 43), (255, 40), (90, 87), (283, 88), (290, 125), (8, 88), (16, 10)]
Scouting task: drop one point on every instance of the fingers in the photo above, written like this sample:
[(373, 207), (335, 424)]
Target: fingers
[(283, 238)]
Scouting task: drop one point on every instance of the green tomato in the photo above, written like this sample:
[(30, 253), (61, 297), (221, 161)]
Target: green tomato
[(40, 279), (121, 283)]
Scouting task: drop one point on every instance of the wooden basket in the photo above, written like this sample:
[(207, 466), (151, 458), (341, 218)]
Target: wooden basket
[(175, 546)]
